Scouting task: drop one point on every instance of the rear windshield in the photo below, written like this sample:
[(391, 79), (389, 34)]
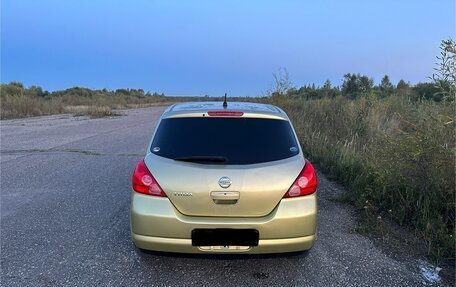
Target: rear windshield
[(237, 141)]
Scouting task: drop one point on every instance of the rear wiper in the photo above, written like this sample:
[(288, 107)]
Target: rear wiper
[(203, 159)]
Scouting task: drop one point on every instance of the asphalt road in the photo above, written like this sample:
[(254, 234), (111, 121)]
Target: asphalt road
[(65, 195)]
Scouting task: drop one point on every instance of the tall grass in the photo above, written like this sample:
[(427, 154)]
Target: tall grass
[(397, 155), (17, 101), (17, 106)]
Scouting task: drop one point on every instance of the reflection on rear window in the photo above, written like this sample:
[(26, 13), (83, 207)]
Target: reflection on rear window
[(238, 140)]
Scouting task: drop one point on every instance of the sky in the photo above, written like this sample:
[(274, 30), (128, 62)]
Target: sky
[(213, 47)]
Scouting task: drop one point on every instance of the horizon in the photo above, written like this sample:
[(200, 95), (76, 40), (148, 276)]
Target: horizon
[(210, 48), (263, 94)]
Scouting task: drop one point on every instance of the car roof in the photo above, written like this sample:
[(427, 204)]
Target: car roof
[(201, 109)]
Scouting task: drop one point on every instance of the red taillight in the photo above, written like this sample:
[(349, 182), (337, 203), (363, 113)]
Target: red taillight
[(225, 113), (144, 182), (305, 184)]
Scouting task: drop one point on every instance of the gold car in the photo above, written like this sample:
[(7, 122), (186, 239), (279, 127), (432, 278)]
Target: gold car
[(224, 178)]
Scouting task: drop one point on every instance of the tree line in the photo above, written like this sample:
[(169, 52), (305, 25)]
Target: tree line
[(356, 85), (18, 89), (442, 86)]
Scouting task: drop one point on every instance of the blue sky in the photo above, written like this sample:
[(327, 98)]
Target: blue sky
[(212, 47)]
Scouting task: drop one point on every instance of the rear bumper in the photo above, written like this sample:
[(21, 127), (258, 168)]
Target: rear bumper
[(157, 225), (185, 245)]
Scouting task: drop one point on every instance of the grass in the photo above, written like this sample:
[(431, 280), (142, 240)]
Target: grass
[(101, 106), (396, 154), (17, 101)]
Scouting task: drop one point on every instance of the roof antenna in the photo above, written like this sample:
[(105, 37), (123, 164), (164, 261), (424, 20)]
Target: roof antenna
[(225, 104)]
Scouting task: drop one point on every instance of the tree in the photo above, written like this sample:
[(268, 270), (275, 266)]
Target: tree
[(327, 89), (403, 88), (16, 84), (445, 76), (37, 91), (282, 83), (350, 86), (426, 91), (385, 86), (327, 85), (366, 84), (354, 85)]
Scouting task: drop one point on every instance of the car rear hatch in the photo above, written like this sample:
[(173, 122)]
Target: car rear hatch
[(225, 167)]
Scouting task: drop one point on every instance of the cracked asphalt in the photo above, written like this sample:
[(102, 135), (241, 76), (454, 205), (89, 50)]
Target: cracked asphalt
[(65, 195)]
